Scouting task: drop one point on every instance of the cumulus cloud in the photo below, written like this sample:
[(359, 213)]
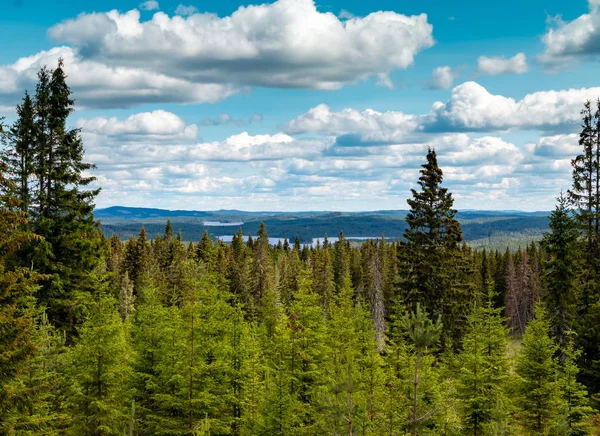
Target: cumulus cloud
[(154, 154), (288, 43), (577, 39), (153, 126), (442, 78), (372, 126), (150, 5), (471, 107), (493, 66), (556, 146), (98, 85)]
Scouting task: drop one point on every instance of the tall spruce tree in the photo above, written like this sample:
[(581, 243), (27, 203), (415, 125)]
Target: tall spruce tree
[(19, 153), (585, 200), (560, 269), (46, 157), (431, 254)]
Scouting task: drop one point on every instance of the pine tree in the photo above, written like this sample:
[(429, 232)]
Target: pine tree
[(18, 343), (423, 334), (280, 402), (60, 208), (99, 373), (204, 251), (239, 273), (398, 375), (484, 369), (574, 394), (342, 390), (538, 387), (261, 267), (308, 335), (324, 279), (151, 329), (19, 152), (560, 244), (585, 193), (244, 375), (432, 246), (585, 200)]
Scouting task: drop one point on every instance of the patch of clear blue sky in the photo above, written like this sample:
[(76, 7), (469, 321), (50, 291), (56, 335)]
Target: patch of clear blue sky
[(463, 30)]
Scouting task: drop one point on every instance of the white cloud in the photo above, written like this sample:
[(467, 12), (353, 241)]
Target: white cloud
[(371, 125), (97, 85), (153, 126), (150, 5), (288, 43), (150, 157), (493, 66), (485, 150), (577, 39), (442, 78), (345, 15), (556, 146), (185, 11), (472, 108)]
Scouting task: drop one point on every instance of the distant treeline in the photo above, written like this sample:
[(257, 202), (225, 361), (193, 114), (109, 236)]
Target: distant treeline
[(527, 228)]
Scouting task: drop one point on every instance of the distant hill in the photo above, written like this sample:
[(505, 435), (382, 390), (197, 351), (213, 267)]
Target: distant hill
[(481, 228)]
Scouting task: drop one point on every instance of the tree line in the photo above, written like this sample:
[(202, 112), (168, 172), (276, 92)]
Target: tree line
[(152, 336)]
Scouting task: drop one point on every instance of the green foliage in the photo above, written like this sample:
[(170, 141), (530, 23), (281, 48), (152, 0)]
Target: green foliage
[(431, 260), (538, 386), (560, 270), (99, 373), (577, 410), (423, 334), (484, 370)]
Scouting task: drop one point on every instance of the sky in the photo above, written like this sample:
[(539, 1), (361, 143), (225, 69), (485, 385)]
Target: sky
[(301, 105)]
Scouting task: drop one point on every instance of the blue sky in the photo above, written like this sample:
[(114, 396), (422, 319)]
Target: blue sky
[(297, 105)]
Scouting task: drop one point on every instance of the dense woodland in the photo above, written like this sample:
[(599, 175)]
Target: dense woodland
[(152, 336)]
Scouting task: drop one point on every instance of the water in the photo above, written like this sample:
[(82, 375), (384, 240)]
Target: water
[(229, 238), (220, 224), (275, 241)]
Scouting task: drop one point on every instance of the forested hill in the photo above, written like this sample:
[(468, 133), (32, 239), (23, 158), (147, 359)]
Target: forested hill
[(494, 229)]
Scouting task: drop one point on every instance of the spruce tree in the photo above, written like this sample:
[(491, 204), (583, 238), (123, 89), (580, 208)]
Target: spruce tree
[(585, 193), (18, 155), (308, 335), (560, 270), (576, 403), (423, 334), (99, 373), (59, 206), (538, 386), (484, 369), (431, 255), (151, 330), (585, 200), (18, 286)]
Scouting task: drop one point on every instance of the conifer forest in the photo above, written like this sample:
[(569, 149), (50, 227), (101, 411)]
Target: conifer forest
[(160, 336)]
